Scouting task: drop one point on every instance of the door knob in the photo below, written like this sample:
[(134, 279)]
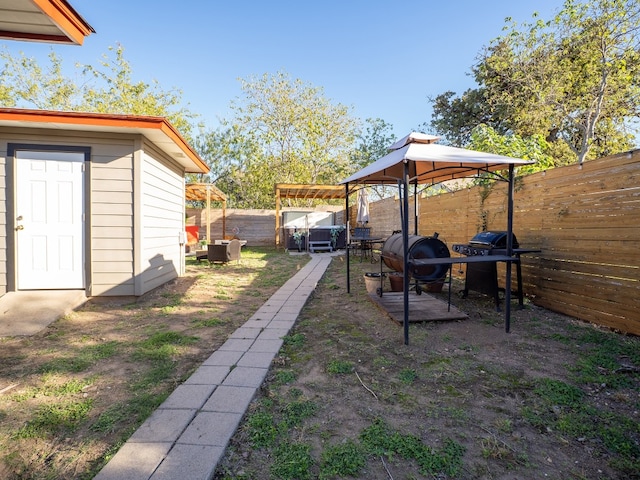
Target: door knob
[(20, 227)]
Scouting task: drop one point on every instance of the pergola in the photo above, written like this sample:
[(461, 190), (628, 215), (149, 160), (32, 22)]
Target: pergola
[(207, 192), (305, 192)]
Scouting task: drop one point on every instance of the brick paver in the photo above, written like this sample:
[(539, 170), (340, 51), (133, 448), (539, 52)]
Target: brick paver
[(188, 434)]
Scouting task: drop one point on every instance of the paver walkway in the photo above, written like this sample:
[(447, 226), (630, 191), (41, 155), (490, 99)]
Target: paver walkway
[(187, 435)]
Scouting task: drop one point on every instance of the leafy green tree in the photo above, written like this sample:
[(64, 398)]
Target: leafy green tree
[(115, 91), (107, 88), (283, 131), (575, 80), (26, 84), (373, 143), (535, 147), (456, 117)]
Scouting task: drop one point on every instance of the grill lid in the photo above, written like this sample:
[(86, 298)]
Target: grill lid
[(492, 240)]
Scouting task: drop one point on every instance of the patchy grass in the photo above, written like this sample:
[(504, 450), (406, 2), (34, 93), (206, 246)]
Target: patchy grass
[(555, 398), (345, 398), (81, 387)]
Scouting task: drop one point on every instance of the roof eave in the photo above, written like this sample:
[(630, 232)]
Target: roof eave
[(69, 21), (157, 129)]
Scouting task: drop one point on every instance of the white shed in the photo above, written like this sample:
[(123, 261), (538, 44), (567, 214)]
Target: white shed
[(92, 202)]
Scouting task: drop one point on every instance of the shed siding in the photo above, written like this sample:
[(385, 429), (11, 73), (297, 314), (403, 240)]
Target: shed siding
[(3, 216), (162, 220), (111, 238)]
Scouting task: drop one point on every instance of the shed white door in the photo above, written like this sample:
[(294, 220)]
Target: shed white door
[(49, 220)]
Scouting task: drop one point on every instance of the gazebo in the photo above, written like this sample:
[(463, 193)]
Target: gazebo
[(417, 159), (207, 192)]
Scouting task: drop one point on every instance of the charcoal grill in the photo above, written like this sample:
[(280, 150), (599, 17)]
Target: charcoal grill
[(482, 277), (418, 247)]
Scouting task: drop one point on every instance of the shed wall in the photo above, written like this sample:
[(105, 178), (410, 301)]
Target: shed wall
[(162, 220), (135, 215)]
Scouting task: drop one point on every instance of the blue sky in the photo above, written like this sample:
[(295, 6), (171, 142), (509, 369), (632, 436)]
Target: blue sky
[(381, 58)]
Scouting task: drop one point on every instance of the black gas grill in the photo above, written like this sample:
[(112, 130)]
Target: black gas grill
[(486, 243), (482, 277)]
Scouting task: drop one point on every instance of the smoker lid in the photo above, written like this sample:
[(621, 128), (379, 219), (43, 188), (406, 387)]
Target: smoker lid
[(493, 239)]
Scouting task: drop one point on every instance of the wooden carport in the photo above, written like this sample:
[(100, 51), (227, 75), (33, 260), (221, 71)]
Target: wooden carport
[(207, 192), (305, 192)]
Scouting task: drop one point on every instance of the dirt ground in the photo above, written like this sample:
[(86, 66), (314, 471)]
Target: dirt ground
[(511, 402), (466, 381)]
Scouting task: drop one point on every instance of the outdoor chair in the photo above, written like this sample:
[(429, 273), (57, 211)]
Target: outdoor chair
[(225, 252), (364, 248)]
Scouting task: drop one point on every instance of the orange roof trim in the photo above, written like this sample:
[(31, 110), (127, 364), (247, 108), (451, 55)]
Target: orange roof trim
[(157, 129), (52, 21)]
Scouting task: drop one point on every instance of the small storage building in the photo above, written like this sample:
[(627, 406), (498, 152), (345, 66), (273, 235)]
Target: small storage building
[(91, 201)]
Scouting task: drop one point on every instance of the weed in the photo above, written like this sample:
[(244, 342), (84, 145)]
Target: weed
[(407, 376), (55, 417), (339, 367), (296, 412), (261, 429), (491, 447), (81, 360), (162, 346), (295, 393), (563, 408), (505, 425), (559, 393), (211, 322), (382, 362), (160, 371), (52, 389), (380, 440), (345, 459), (292, 461), (109, 419), (294, 341), (283, 377)]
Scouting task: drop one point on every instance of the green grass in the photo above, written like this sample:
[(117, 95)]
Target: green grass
[(379, 440), (563, 408), (408, 376), (296, 340), (81, 359), (345, 459), (261, 429), (295, 412), (51, 389), (338, 367), (56, 417), (292, 461), (134, 411), (162, 346), (283, 377), (210, 322)]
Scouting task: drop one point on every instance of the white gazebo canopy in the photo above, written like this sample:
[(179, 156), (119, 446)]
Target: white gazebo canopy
[(428, 162)]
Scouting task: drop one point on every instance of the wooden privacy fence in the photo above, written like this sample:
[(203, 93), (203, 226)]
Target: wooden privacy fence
[(584, 219)]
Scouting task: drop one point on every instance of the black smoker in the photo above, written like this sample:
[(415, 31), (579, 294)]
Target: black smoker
[(418, 247), (483, 276)]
